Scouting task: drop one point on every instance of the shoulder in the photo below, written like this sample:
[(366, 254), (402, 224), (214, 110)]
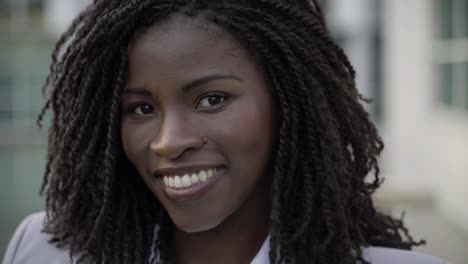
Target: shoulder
[(30, 245), (382, 255)]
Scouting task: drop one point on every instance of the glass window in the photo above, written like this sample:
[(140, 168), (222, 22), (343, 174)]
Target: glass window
[(444, 10), (5, 95), (24, 62), (464, 75), (459, 18), (451, 58), (446, 83), (5, 83)]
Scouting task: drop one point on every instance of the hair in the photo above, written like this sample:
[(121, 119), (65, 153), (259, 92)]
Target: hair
[(321, 202)]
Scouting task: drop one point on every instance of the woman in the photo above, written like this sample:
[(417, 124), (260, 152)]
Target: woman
[(208, 132)]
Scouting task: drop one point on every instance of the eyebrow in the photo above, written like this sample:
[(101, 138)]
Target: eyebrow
[(187, 87)]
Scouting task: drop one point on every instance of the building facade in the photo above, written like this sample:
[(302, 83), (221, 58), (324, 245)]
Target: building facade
[(411, 57)]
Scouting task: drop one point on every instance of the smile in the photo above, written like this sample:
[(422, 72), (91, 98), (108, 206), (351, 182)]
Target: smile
[(188, 179), (189, 185)]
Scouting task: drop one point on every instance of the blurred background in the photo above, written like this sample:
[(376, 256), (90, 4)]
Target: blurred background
[(411, 57)]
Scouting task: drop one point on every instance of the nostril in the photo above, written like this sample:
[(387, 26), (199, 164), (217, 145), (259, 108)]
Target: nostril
[(173, 147)]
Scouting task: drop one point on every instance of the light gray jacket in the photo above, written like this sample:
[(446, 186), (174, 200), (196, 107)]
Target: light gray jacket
[(30, 246)]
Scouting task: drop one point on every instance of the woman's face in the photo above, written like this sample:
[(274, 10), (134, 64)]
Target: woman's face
[(198, 122)]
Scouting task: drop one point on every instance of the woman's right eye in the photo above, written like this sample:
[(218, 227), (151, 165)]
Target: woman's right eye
[(141, 109)]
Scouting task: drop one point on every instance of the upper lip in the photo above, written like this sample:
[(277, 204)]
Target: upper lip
[(181, 170)]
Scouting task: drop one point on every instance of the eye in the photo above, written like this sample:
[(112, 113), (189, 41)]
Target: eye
[(211, 100), (141, 109)]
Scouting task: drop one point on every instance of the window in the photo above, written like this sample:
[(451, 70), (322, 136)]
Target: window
[(24, 64), (451, 52), (24, 60), (356, 27)]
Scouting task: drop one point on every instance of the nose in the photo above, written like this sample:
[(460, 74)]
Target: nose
[(175, 137)]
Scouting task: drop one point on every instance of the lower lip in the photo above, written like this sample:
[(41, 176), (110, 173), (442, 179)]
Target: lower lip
[(193, 192)]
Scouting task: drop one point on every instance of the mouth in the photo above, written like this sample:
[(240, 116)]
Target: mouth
[(188, 180), (183, 185)]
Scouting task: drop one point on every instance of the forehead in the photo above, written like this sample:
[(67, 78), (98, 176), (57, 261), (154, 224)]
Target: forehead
[(180, 29), (185, 45)]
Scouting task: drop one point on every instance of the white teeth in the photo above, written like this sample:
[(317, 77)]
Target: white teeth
[(177, 182), (194, 179), (203, 176), (171, 182), (188, 180)]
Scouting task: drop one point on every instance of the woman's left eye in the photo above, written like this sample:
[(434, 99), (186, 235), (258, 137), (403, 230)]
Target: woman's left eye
[(211, 100)]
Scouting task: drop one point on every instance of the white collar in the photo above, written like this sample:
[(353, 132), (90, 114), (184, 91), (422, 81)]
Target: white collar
[(262, 256)]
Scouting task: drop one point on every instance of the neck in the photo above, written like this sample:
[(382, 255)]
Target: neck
[(235, 240)]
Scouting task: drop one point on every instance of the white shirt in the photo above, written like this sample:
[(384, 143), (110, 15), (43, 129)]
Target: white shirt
[(262, 256), (30, 246), (377, 255)]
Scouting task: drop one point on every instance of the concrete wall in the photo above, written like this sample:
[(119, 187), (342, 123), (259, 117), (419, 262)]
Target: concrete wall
[(427, 145), (60, 13)]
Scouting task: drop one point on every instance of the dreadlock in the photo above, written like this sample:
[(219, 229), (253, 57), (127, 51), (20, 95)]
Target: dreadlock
[(322, 210)]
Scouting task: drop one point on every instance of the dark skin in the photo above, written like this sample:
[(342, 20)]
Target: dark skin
[(196, 99)]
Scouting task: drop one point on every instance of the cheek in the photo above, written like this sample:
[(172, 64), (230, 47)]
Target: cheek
[(259, 124), (250, 132), (133, 142)]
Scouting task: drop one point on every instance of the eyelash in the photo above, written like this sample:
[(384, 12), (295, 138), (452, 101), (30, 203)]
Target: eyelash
[(211, 95), (132, 108)]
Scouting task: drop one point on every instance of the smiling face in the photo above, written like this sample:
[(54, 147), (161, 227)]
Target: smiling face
[(198, 123)]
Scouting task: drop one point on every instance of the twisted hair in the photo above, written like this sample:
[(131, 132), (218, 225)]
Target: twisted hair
[(322, 209)]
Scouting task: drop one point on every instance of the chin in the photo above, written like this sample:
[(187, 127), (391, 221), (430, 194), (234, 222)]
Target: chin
[(190, 227)]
